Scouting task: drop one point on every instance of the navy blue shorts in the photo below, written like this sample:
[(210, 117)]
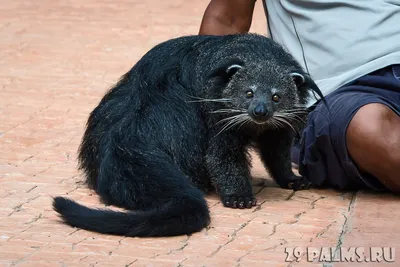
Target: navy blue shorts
[(322, 154)]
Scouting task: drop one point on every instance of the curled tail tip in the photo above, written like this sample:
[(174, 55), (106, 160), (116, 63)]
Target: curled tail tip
[(60, 203), (65, 206)]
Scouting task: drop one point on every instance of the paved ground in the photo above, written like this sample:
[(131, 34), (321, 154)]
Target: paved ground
[(56, 61)]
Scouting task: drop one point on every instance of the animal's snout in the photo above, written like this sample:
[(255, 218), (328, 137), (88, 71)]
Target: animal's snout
[(260, 110), (260, 113)]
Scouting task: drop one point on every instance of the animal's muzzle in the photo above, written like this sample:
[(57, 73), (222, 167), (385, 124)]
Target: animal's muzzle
[(261, 113)]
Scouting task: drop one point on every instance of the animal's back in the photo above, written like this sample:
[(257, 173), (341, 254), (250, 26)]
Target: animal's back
[(148, 107)]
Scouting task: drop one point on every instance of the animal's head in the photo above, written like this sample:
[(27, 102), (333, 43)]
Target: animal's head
[(267, 88)]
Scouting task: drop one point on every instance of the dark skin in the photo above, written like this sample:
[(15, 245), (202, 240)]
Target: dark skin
[(373, 142), (373, 135), (227, 17)]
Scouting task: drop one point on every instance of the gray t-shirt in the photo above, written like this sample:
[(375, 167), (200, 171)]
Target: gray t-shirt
[(337, 41)]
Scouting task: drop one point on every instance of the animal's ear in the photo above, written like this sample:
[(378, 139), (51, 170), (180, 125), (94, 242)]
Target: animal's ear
[(298, 79), (232, 69), (305, 83), (224, 72)]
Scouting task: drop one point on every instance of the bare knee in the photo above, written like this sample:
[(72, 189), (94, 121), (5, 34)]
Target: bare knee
[(373, 142)]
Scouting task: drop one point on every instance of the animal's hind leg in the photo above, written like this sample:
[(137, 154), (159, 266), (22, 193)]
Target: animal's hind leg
[(163, 200), (275, 152), (139, 181), (118, 187)]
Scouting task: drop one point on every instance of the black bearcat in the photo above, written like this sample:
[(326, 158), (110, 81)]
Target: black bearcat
[(180, 123)]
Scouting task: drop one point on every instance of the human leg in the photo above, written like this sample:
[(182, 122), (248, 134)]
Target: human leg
[(324, 152), (373, 142)]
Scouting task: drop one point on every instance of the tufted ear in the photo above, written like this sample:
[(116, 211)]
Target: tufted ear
[(298, 78), (305, 84), (232, 69)]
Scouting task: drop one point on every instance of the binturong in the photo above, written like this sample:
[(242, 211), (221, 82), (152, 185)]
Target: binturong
[(179, 124)]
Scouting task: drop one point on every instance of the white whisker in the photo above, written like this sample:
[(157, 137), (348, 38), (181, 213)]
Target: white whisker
[(246, 120), (291, 116), (294, 110), (229, 118), (199, 99), (276, 124), (301, 106), (228, 111), (284, 121), (233, 121)]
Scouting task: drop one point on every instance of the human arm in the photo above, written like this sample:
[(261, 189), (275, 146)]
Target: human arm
[(223, 17)]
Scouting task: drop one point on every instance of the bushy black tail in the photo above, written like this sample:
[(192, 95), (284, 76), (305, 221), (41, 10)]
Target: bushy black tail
[(182, 215)]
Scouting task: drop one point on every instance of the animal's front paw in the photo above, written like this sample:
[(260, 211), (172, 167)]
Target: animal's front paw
[(297, 183), (239, 201)]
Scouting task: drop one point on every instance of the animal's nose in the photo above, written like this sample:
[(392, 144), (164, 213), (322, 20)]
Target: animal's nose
[(260, 111)]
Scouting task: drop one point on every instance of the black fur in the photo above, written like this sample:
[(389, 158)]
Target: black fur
[(155, 144)]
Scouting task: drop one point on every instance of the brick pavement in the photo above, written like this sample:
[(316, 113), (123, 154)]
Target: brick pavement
[(56, 61)]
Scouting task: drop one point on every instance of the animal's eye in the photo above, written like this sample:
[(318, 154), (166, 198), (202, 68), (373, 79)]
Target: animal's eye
[(276, 98), (298, 78), (249, 94)]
